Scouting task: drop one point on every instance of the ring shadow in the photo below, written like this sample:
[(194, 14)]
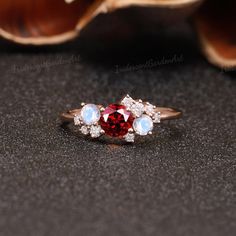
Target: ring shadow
[(168, 132)]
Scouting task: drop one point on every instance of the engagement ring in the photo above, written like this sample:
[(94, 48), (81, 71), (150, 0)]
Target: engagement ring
[(122, 120)]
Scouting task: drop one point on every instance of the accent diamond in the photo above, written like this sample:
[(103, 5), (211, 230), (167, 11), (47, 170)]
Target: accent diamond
[(95, 131), (77, 120), (84, 130), (137, 109), (149, 109), (129, 137), (157, 117), (127, 101)]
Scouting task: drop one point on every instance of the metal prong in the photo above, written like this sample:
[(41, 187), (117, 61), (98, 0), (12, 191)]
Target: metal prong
[(82, 104), (150, 132), (130, 130)]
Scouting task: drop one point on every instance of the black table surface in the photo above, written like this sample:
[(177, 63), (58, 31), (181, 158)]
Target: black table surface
[(53, 181)]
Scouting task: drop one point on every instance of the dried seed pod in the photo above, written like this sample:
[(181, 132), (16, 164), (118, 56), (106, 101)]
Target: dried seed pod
[(56, 21), (215, 23)]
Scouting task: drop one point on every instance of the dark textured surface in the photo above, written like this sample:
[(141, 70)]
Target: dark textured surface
[(54, 182)]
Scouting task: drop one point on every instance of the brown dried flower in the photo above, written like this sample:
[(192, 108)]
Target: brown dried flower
[(56, 21)]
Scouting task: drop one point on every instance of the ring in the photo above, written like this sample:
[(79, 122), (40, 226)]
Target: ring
[(123, 120)]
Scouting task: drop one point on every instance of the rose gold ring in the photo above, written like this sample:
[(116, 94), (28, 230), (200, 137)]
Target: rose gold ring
[(123, 120)]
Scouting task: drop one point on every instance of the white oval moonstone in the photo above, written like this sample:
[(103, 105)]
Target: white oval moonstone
[(90, 114), (143, 125)]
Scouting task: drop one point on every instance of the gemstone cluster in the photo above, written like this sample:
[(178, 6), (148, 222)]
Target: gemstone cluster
[(88, 119), (125, 120), (90, 114)]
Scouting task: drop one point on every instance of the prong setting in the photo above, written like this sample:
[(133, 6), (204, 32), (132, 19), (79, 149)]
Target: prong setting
[(130, 130)]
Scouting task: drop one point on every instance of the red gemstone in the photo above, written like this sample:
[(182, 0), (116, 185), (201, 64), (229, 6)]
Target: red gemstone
[(116, 120)]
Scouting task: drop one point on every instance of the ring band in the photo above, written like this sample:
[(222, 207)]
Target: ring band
[(123, 120)]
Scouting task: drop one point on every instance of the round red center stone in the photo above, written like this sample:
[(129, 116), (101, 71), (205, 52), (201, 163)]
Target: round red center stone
[(116, 120)]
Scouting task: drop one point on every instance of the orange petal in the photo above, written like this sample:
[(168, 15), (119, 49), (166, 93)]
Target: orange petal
[(44, 21), (216, 23), (56, 21)]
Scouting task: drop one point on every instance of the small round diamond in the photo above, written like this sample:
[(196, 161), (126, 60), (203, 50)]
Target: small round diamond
[(137, 109), (149, 109), (127, 101), (157, 117), (129, 137), (90, 114), (95, 131), (84, 130), (77, 120), (143, 125)]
